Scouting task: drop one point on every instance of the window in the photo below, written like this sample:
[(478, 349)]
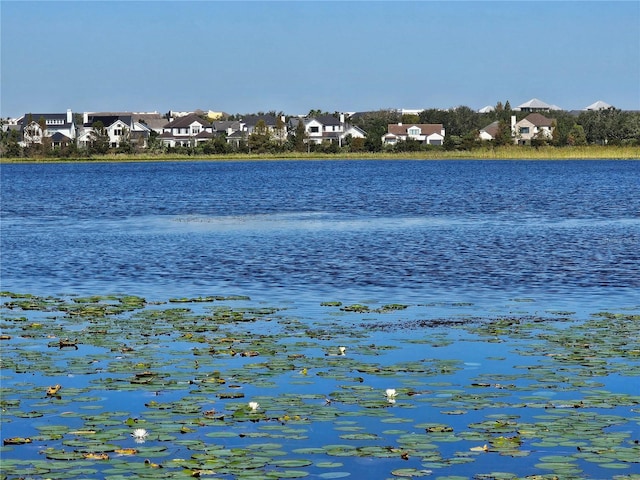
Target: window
[(524, 130), (414, 131), (314, 129), (117, 132), (195, 130)]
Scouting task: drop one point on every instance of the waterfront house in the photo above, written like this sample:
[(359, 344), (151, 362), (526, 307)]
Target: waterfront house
[(425, 133), (328, 128), (490, 131), (35, 127), (534, 125), (188, 130), (119, 127)]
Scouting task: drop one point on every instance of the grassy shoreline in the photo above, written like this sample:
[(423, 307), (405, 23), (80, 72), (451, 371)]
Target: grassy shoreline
[(502, 153)]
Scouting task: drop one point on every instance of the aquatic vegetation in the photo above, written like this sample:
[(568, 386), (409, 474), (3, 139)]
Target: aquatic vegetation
[(555, 390), (139, 435)]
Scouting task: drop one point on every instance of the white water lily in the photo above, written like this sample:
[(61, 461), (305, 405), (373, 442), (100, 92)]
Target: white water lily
[(254, 406), (139, 435), (342, 350), (391, 395)]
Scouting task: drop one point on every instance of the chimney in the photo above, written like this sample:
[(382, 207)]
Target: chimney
[(342, 119), (513, 124), (69, 116), (85, 118)]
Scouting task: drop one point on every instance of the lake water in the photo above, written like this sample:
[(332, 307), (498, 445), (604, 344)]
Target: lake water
[(404, 230), (450, 239)]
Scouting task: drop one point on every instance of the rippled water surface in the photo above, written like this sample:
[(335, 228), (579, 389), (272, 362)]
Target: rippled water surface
[(497, 301), (466, 230)]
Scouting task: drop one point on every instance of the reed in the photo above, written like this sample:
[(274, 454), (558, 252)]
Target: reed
[(513, 152)]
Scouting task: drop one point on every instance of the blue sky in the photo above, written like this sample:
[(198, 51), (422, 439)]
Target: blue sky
[(292, 56)]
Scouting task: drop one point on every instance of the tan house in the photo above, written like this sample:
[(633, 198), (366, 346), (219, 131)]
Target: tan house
[(427, 133), (534, 125)]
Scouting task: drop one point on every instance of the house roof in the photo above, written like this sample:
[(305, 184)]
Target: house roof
[(60, 137), (107, 120), (252, 120), (426, 128), (492, 128), (238, 134), (224, 125), (539, 120), (534, 103), (187, 120), (35, 117), (486, 109), (327, 119), (599, 105)]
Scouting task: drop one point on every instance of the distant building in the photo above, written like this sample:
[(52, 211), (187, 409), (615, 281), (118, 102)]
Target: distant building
[(35, 127), (185, 131), (490, 131), (534, 125), (599, 105), (426, 133), (535, 105)]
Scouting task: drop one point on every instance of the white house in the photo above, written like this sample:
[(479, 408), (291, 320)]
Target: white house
[(490, 131), (328, 128), (188, 130), (119, 127), (426, 133), (532, 126), (37, 126)]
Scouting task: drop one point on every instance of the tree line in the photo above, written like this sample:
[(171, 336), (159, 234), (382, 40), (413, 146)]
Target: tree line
[(462, 125)]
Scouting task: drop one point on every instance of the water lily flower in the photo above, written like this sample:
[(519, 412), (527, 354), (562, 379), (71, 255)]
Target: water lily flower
[(139, 435), (254, 406), (342, 350), (391, 395)]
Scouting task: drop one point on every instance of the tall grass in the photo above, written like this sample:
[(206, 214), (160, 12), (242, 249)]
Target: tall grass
[(513, 152)]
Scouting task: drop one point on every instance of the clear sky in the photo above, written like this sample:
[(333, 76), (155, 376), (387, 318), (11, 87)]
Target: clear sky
[(293, 56)]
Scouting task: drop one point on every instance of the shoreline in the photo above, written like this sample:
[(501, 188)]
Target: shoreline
[(504, 153)]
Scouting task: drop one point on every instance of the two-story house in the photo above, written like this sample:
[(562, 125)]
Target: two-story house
[(329, 128), (119, 127), (185, 131), (534, 125), (425, 133), (59, 128)]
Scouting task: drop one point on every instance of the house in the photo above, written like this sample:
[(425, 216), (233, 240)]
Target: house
[(226, 127), (534, 125), (490, 131), (328, 128), (599, 105), (188, 130), (276, 125), (535, 105), (35, 127), (119, 127), (426, 133), (152, 120)]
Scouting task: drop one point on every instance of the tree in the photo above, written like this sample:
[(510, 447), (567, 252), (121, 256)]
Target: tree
[(300, 137), (99, 138), (9, 143), (280, 130), (504, 135), (260, 138), (408, 118), (376, 125)]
